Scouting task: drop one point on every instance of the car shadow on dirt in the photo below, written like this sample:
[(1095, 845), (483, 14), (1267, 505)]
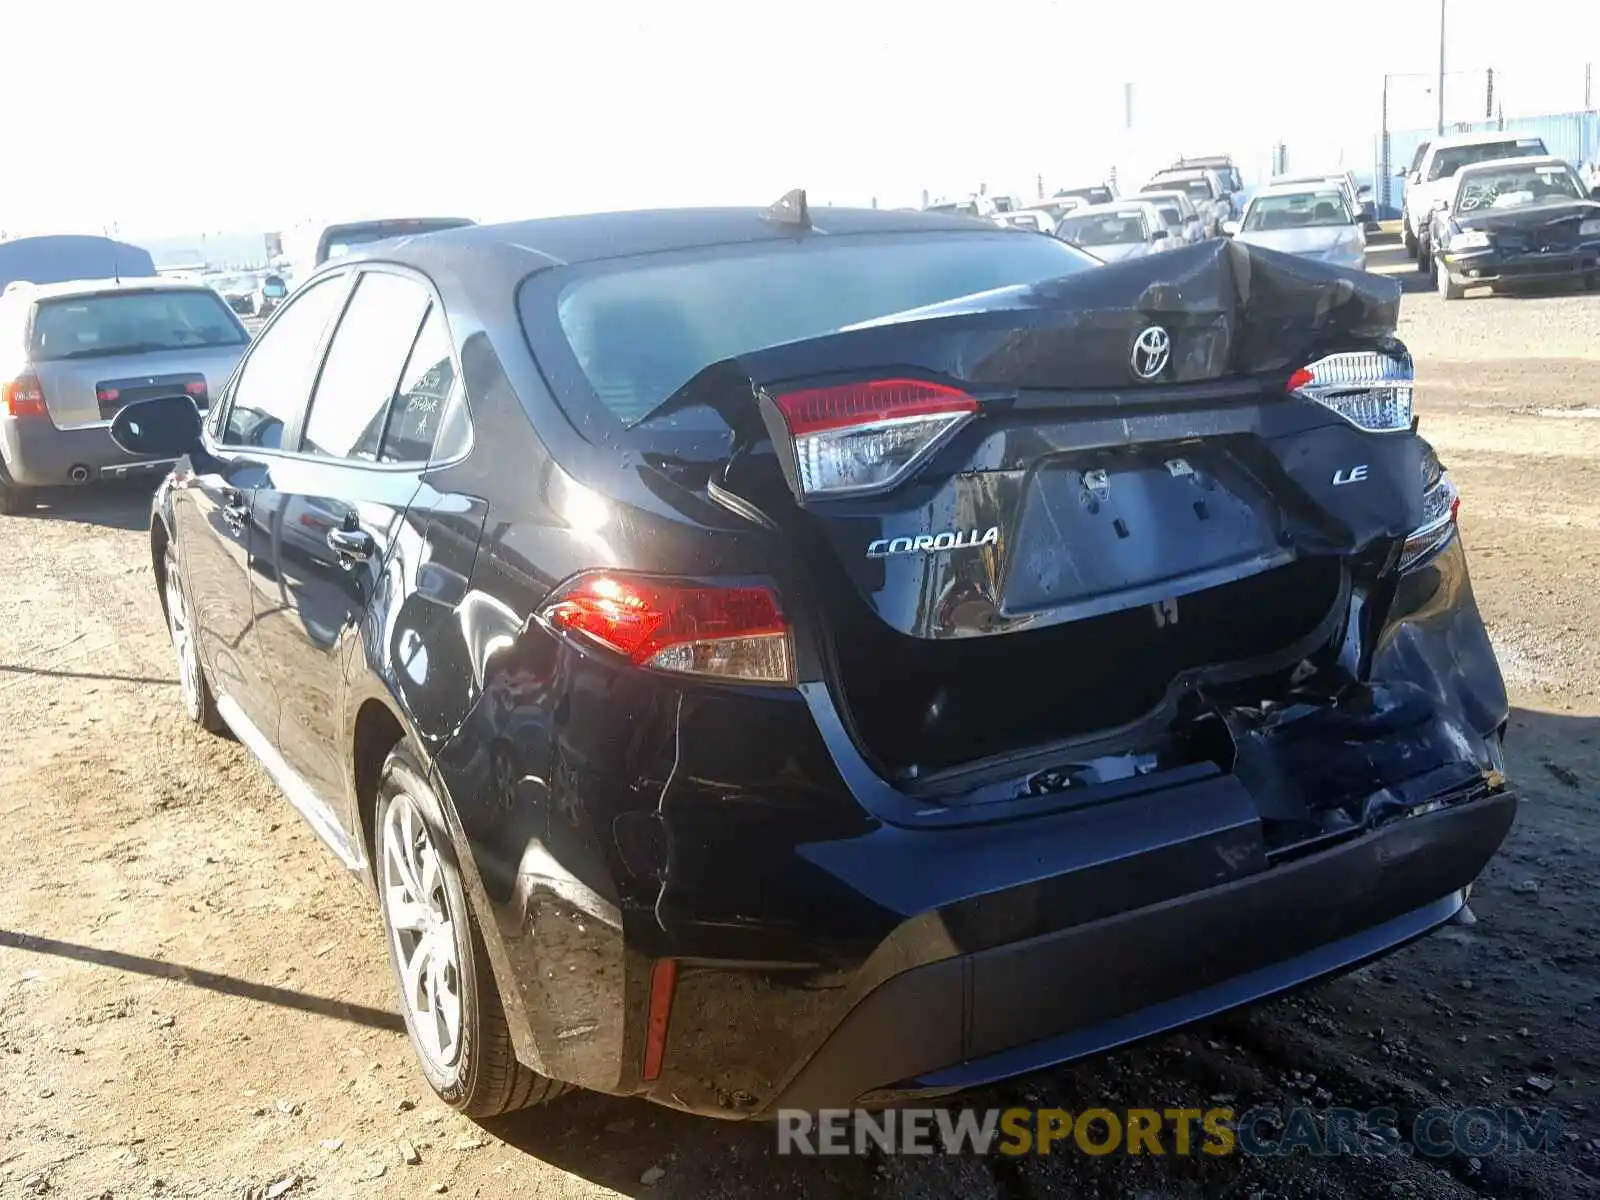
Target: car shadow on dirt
[(227, 985), (1463, 1019), (123, 504), (95, 676)]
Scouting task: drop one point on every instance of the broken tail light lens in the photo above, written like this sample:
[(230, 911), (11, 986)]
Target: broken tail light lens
[(23, 397), (867, 437), (1369, 389), (733, 633), (1441, 503)]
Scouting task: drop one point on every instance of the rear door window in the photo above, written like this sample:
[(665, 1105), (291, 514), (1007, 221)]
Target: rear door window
[(272, 387), (363, 367), (427, 387), (132, 323)]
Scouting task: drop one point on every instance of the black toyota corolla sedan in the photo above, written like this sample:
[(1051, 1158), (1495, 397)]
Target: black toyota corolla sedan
[(787, 658)]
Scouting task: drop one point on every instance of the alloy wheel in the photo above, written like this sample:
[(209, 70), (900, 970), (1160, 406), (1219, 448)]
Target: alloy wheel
[(183, 644), (422, 928)]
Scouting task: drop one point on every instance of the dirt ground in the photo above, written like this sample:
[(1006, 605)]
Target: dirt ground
[(194, 1001)]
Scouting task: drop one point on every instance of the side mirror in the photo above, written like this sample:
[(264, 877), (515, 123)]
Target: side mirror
[(1157, 235), (1229, 228), (1594, 193), (1363, 192), (162, 427)]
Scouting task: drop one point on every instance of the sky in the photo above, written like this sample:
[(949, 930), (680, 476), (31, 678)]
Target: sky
[(177, 116)]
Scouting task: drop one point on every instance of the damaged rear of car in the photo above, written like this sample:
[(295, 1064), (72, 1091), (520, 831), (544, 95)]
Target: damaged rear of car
[(998, 664)]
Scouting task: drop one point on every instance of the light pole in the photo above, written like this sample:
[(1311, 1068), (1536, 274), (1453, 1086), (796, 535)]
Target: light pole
[(1440, 129)]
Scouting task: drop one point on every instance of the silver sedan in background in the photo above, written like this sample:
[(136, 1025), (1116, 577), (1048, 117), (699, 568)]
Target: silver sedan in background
[(1311, 220), (1190, 225), (1116, 232)]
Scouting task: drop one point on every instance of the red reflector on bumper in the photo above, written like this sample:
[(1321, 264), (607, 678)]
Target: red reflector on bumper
[(663, 979)]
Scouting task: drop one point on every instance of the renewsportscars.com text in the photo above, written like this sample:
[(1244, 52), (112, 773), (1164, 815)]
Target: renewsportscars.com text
[(1256, 1132)]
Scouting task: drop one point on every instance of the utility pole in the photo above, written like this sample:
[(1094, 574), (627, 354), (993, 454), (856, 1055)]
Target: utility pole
[(1440, 130), (1488, 103), (1384, 166)]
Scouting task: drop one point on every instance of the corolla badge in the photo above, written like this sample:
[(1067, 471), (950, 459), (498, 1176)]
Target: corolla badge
[(932, 543), (1151, 350)]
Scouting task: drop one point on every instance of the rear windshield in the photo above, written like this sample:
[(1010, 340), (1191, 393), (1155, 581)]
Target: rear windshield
[(1448, 161), (1297, 210), (1103, 229), (274, 287), (1090, 195), (1197, 189), (133, 323), (1178, 199), (343, 239), (638, 329)]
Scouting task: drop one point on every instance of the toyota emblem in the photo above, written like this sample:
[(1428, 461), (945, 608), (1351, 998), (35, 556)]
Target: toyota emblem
[(1151, 350)]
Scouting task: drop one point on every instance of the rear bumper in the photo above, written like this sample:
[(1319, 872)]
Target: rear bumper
[(37, 454), (831, 947), (979, 1017)]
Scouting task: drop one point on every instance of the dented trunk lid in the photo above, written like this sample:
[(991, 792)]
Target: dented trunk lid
[(1079, 487)]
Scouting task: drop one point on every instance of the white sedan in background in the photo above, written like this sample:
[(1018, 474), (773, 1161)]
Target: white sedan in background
[(1032, 219), (1314, 221), (1117, 232), (1189, 225)]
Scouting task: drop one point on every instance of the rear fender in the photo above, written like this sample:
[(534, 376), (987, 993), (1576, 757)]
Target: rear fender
[(363, 688)]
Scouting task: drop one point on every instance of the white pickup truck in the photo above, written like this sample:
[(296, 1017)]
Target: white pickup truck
[(1432, 175)]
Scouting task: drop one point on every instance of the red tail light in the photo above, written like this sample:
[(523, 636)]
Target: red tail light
[(23, 397), (864, 437), (107, 395), (734, 633), (196, 388)]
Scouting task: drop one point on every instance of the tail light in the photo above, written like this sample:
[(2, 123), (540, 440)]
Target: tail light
[(23, 397), (867, 437), (1441, 505), (733, 633), (1369, 389), (196, 388)]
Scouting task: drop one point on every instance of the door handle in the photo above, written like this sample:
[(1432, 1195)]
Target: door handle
[(351, 545)]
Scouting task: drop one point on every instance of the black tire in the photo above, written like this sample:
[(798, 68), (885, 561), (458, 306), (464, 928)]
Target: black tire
[(1425, 256), (194, 690), (1408, 238), (14, 500), (1447, 288), (484, 1077)]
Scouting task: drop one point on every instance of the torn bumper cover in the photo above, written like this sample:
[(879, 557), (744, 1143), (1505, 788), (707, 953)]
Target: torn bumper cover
[(1145, 904), (991, 1014)]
